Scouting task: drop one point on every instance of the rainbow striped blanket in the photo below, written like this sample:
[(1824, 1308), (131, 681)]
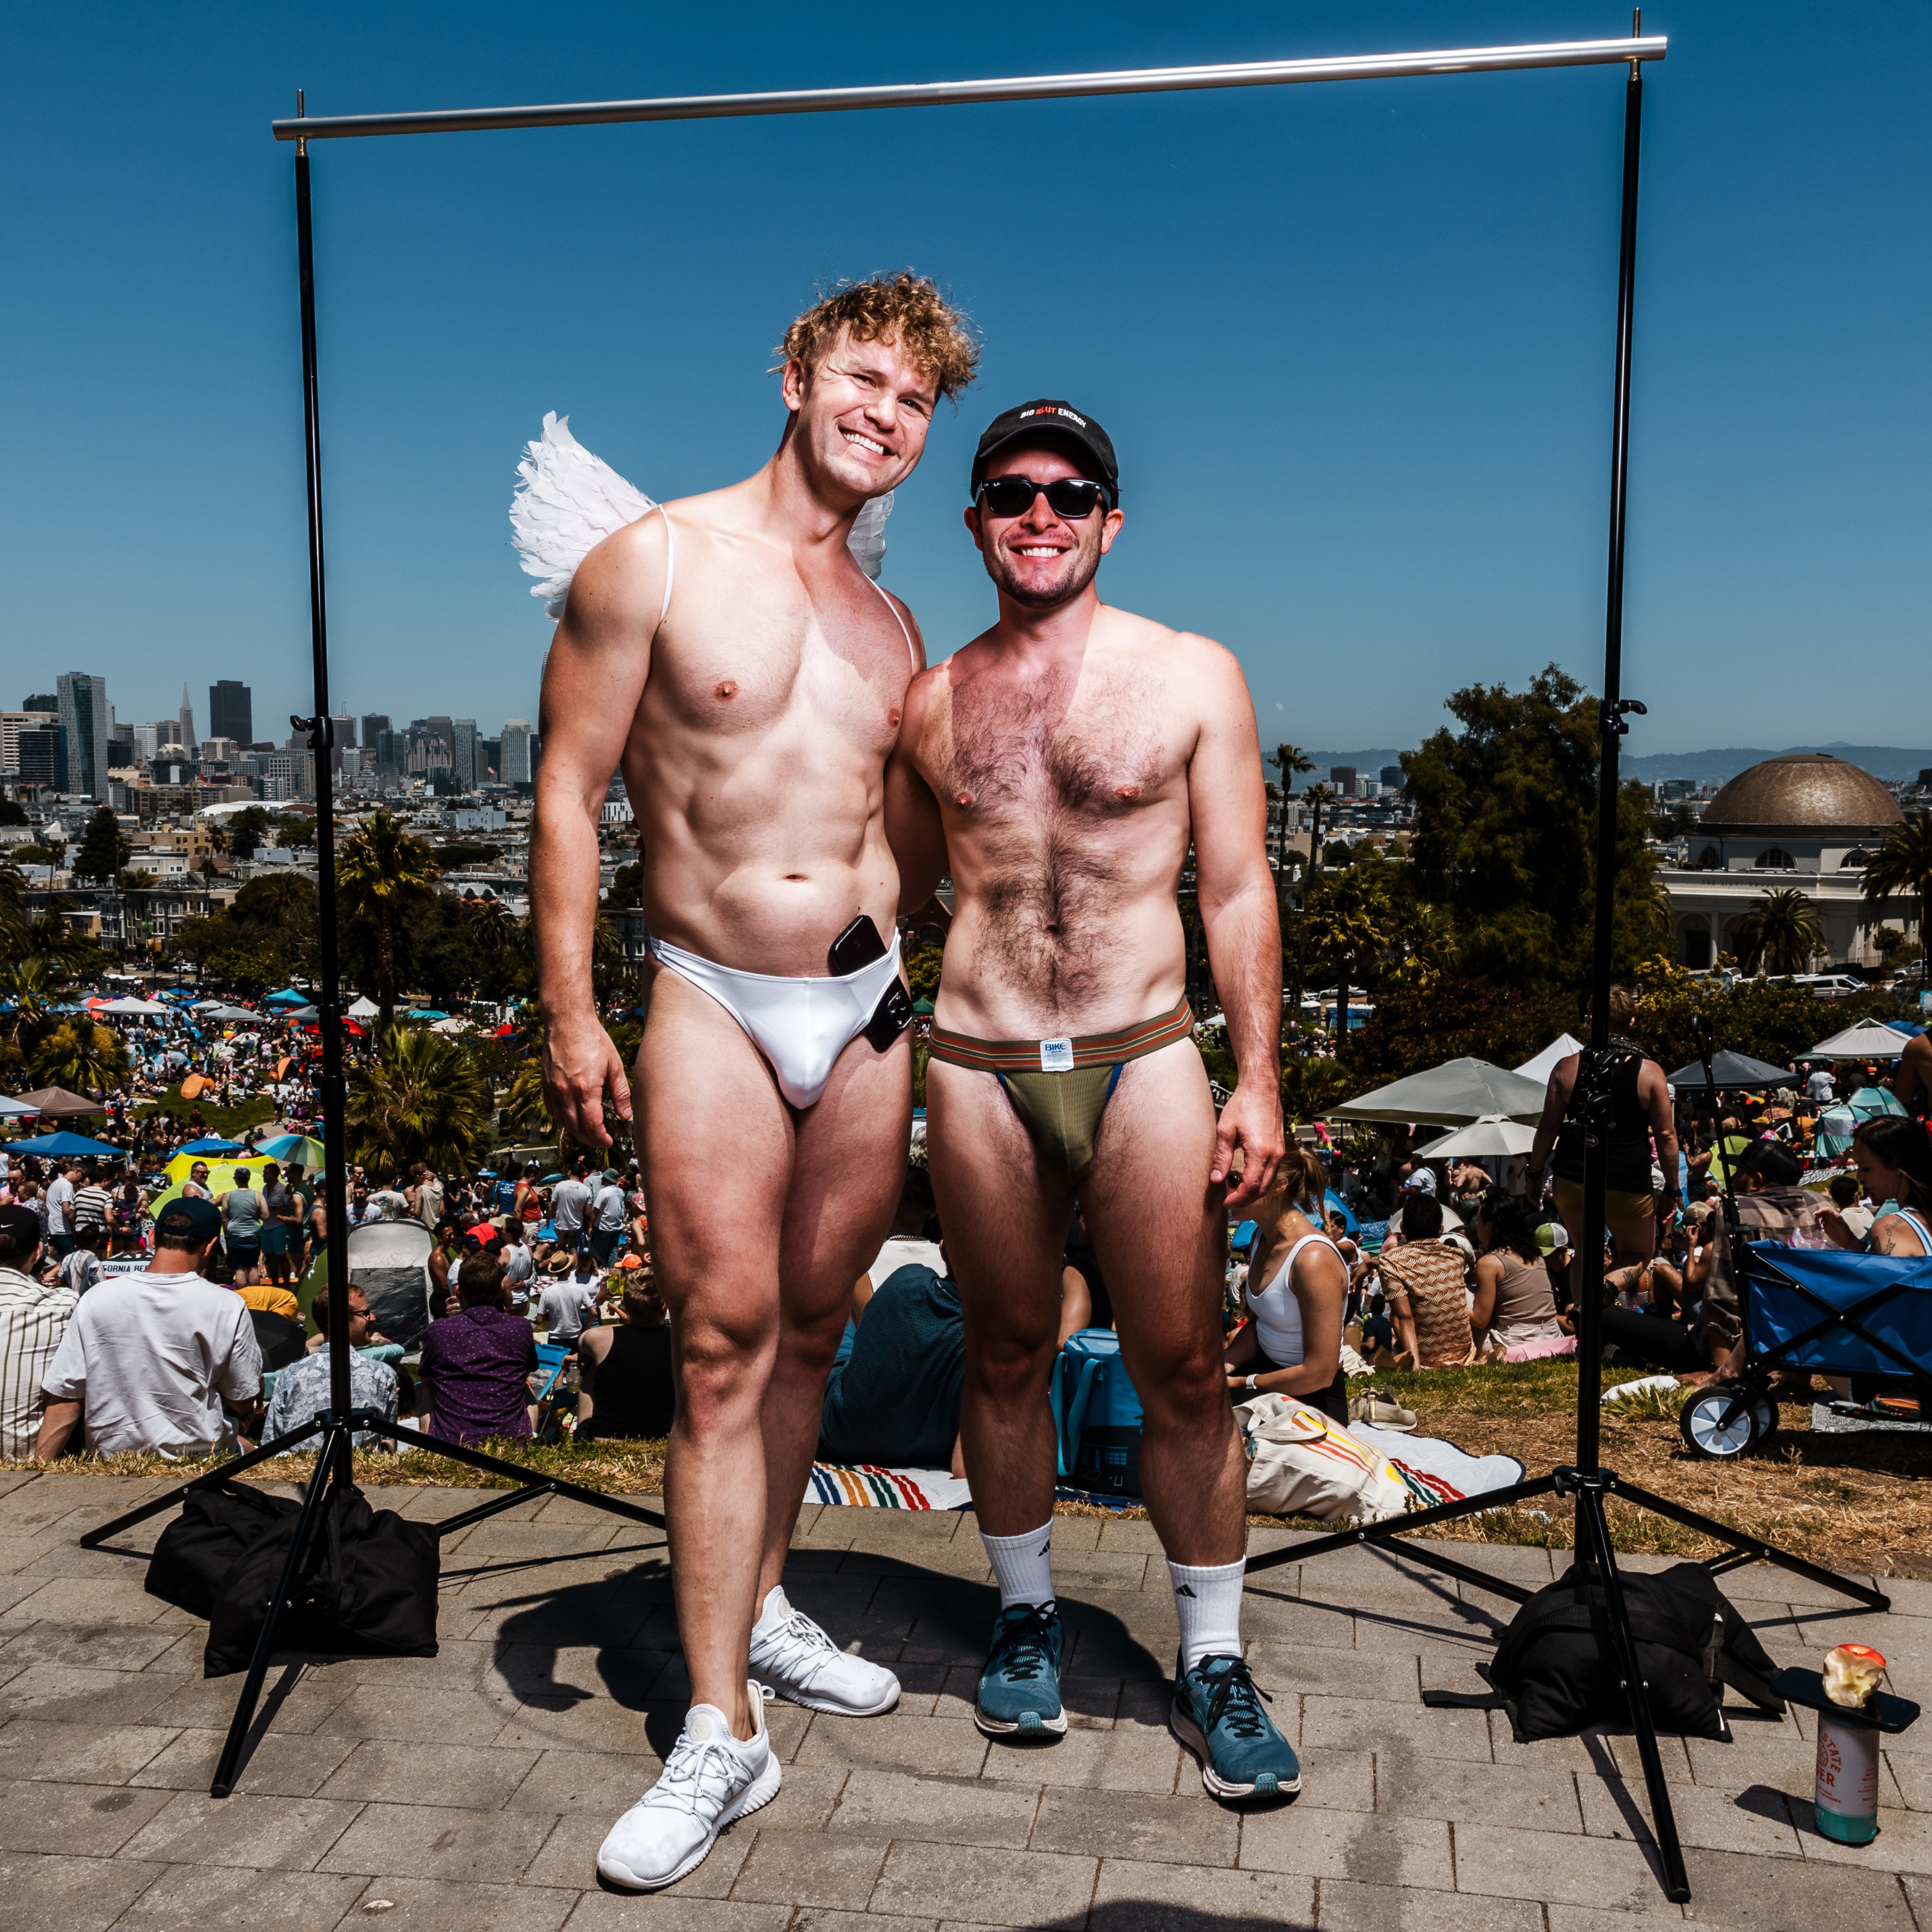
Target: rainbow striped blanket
[(867, 1486)]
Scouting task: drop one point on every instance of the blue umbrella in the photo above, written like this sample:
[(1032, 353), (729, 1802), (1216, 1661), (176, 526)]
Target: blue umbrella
[(64, 1143), (211, 1143)]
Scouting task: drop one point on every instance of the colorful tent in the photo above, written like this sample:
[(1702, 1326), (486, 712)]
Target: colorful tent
[(77, 1145)]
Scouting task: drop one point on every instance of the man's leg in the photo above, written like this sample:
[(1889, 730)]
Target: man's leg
[(1155, 1221), (715, 1141), (848, 1169), (1006, 1219)]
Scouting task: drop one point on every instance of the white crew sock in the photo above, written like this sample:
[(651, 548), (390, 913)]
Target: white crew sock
[(777, 1607), (1024, 1564), (1208, 1603)]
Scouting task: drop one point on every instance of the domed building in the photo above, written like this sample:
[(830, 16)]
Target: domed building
[(1806, 820)]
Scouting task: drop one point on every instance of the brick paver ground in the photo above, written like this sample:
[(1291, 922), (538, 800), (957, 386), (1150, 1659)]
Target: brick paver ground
[(469, 1792)]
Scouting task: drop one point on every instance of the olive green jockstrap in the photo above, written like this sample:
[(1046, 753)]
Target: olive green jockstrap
[(1059, 1088)]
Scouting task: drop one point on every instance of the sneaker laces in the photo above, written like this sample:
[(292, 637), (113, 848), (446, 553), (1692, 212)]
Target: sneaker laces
[(796, 1651), (699, 1774), (1233, 1698), (1021, 1652)]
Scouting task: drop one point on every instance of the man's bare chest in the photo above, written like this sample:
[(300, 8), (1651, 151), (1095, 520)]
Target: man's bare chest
[(750, 664)]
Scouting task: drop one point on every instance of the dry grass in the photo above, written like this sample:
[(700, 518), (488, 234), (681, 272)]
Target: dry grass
[(1857, 1502)]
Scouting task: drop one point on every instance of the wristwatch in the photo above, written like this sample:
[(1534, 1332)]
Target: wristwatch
[(1250, 1384)]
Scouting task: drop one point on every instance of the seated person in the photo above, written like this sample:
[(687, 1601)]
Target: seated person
[(34, 1317), (1514, 1310), (1378, 1330), (1424, 1278), (1084, 1302), (1296, 1281), (912, 1242), (1847, 1196), (164, 1361), (302, 1390), (478, 1361), (1894, 1159), (893, 1397), (80, 1268), (624, 1391)]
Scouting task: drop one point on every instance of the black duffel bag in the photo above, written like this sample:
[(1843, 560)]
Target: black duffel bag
[(368, 1583), (1555, 1671)]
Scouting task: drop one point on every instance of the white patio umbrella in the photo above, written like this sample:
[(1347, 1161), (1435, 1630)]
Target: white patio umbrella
[(1544, 1064), (146, 1008), (1868, 1040), (1492, 1137), (1457, 1094)]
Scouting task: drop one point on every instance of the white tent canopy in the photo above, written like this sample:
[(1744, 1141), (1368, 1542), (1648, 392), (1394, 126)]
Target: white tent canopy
[(365, 1008), (1494, 1137), (1457, 1094), (147, 1007), (1868, 1040), (1544, 1064)]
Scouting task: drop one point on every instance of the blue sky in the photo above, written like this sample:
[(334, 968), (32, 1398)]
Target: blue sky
[(1353, 342)]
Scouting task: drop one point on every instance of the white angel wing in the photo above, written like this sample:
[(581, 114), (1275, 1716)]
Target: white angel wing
[(568, 502), (867, 543)]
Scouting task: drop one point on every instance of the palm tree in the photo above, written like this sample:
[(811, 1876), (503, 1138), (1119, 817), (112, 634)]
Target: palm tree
[(1781, 928), (1902, 864), (381, 871), (422, 1097), (81, 1054)]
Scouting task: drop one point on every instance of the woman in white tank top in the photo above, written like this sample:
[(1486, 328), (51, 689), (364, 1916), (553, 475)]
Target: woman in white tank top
[(1291, 1344)]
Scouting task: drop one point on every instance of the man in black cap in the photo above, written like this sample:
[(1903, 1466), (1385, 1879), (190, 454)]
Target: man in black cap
[(165, 1360), (1061, 767)]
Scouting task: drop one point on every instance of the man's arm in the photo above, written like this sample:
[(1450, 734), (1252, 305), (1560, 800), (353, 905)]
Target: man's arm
[(57, 1426), (1662, 1126), (1555, 1105), (1228, 807), (593, 682), (914, 827)]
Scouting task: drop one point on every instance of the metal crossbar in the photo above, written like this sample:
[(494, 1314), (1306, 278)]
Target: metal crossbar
[(964, 93)]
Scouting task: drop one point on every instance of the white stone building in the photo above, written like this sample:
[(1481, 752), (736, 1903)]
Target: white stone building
[(1806, 820)]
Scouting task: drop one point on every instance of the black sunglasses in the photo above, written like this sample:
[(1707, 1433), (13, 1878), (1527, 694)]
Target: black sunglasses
[(1070, 497)]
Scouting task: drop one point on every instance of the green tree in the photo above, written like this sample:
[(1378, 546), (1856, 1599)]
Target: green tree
[(1781, 931), (1506, 830), (80, 1055), (1417, 1026), (381, 871), (1902, 864), (627, 888), (103, 850), (246, 830), (922, 971), (1770, 1020), (420, 1097)]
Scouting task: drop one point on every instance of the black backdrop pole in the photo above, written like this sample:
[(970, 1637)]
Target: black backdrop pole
[(1590, 1303), (329, 1003)]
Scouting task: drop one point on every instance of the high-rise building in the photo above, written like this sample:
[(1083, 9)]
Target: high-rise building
[(39, 760), (47, 704), (1342, 780), (1394, 779), (374, 723), (187, 720), (12, 724), (514, 768), (83, 722), (463, 751), (389, 749), (231, 711)]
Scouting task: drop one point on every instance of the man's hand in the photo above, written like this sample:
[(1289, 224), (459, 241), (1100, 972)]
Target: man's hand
[(581, 1064), (1251, 1121)]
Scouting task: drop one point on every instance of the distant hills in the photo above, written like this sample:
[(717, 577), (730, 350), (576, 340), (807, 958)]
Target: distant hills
[(1890, 763)]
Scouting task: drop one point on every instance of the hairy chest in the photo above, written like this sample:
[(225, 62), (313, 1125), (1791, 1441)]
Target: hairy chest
[(1055, 751)]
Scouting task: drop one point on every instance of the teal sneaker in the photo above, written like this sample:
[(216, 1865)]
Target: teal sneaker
[(1019, 1689), (1218, 1716)]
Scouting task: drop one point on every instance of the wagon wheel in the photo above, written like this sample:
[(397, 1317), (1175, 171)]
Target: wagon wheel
[(1705, 1426)]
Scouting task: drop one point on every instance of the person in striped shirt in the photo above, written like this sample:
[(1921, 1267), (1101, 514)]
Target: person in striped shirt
[(93, 1204), (33, 1319)]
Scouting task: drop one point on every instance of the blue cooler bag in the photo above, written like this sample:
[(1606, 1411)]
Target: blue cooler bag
[(1096, 1415)]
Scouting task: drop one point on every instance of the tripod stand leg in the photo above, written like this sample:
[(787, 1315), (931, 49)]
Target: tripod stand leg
[(264, 1644), (222, 1472), (1753, 1545), (1663, 1821)]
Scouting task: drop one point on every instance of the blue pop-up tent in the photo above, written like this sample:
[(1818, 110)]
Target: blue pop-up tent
[(211, 1143), (70, 1145)]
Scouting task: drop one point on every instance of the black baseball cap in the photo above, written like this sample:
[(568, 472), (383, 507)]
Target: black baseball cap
[(20, 1229), (1048, 418), (186, 1222)]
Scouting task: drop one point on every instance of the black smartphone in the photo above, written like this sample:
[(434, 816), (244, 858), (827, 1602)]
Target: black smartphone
[(859, 945), (890, 1017)]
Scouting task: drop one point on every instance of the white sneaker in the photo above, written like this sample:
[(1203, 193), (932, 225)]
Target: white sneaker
[(802, 1665), (710, 1778)]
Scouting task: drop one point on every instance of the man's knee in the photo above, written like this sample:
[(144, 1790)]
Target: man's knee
[(1007, 1368), (1188, 1394), (723, 1374)]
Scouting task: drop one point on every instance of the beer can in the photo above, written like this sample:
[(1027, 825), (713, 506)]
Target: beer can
[(1846, 1795)]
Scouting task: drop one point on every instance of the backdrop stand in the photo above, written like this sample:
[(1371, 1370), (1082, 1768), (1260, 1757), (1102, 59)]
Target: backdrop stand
[(335, 1465), (1587, 1481)]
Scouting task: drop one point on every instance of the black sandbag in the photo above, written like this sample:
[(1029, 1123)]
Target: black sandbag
[(195, 1553)]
